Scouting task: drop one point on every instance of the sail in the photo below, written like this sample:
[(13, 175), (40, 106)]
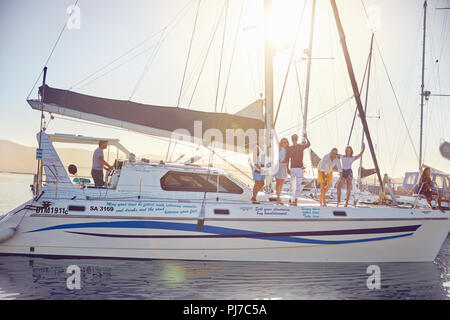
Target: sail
[(151, 119), (315, 159), (367, 172)]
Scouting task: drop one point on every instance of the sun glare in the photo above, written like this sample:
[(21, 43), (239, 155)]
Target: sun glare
[(283, 23)]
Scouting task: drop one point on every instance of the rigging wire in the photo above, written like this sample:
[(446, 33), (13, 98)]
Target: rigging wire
[(116, 67), (299, 89), (392, 87), (396, 100), (207, 53), (221, 55), (290, 62), (232, 56), (172, 21), (189, 53), (198, 79), (117, 59), (201, 217), (149, 62), (51, 53), (360, 90), (320, 115)]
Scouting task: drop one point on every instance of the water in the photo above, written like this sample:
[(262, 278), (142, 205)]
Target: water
[(42, 278)]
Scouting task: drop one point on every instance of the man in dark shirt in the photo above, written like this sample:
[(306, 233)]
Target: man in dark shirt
[(295, 165)]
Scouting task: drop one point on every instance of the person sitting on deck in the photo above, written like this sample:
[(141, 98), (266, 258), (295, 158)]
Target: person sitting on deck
[(325, 173), (426, 188), (347, 173), (98, 163)]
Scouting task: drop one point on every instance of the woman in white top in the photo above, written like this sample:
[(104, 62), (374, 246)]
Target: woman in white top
[(282, 172), (258, 165), (347, 172)]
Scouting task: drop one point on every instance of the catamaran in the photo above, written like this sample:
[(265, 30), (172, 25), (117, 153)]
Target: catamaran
[(163, 210)]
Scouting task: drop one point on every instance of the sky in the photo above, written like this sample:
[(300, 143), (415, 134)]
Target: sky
[(115, 49)]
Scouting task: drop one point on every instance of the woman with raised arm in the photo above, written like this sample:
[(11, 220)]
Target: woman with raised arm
[(347, 172)]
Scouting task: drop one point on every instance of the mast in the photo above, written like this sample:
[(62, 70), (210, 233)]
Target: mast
[(268, 85), (39, 172), (355, 88), (423, 80), (365, 105), (308, 71)]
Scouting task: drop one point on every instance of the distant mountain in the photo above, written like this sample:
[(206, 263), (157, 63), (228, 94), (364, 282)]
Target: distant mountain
[(17, 158)]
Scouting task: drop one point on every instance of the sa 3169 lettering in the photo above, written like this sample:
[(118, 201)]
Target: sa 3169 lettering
[(101, 208)]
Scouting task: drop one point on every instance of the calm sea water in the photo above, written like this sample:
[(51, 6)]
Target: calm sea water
[(41, 278)]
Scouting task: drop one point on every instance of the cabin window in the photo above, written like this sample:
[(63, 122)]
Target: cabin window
[(440, 181), (198, 182), (411, 179)]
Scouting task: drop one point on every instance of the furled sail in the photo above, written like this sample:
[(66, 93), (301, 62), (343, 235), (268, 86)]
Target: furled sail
[(155, 120)]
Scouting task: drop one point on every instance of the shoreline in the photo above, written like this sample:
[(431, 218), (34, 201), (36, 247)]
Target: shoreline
[(14, 172)]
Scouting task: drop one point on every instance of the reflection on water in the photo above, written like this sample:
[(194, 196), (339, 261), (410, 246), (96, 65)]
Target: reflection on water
[(40, 278)]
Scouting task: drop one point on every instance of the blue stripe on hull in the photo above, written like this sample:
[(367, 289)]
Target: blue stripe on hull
[(222, 232)]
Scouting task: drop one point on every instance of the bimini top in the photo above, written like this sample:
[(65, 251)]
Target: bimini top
[(71, 138), (149, 119)]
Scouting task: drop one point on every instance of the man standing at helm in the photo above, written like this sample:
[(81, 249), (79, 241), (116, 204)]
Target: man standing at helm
[(295, 155), (98, 163)]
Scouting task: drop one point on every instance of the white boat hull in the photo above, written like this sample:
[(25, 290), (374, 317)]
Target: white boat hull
[(248, 232)]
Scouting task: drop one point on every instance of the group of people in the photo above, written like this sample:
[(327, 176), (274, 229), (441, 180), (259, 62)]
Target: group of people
[(291, 163)]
